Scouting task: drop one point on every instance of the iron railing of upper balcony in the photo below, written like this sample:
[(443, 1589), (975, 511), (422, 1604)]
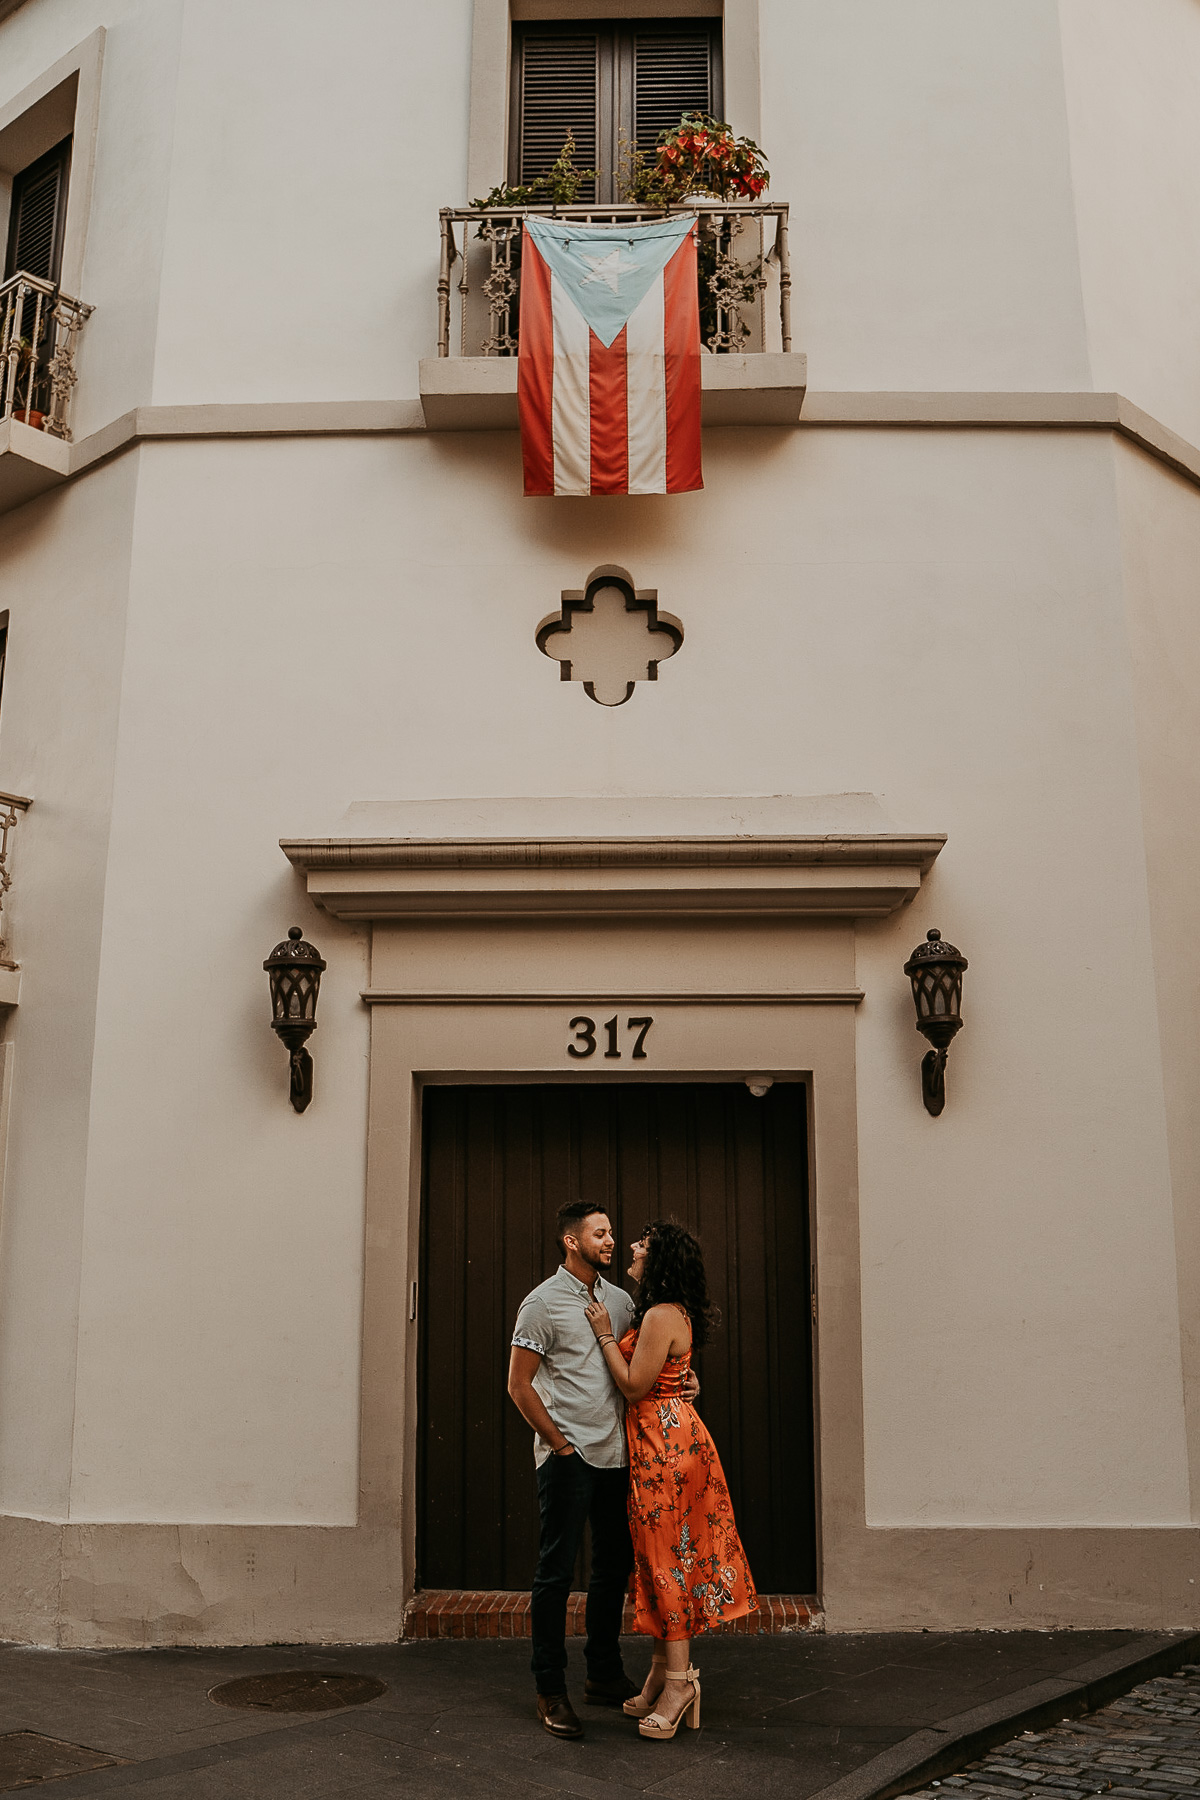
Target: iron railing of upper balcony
[(745, 280), (11, 805), (38, 328)]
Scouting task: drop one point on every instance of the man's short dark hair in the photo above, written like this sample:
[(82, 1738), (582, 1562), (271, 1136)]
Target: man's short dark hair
[(571, 1215)]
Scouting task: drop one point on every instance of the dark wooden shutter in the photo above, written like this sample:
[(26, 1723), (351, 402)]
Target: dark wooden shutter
[(558, 92), (674, 71), (613, 83), (35, 225)]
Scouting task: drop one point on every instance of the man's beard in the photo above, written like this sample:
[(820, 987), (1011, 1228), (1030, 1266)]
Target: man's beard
[(594, 1261)]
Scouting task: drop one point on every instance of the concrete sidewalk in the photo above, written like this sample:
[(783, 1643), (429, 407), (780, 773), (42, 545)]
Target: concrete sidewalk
[(788, 1716)]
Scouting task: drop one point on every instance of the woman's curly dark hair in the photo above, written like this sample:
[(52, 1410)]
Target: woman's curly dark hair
[(674, 1272)]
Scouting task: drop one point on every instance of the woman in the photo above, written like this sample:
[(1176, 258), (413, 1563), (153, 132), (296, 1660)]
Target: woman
[(690, 1570)]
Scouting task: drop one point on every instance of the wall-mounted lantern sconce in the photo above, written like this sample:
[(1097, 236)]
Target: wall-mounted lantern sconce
[(294, 969), (936, 971)]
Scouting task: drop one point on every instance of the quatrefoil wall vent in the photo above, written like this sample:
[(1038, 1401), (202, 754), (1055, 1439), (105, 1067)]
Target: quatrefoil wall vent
[(609, 637)]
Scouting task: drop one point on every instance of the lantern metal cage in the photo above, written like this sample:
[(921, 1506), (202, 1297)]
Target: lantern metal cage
[(935, 969), (294, 969)]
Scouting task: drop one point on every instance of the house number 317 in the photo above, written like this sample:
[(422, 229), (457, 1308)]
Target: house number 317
[(586, 1043)]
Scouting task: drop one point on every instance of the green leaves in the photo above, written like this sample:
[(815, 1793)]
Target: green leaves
[(560, 184)]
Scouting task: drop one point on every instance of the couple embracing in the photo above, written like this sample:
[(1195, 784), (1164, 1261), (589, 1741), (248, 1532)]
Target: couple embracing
[(607, 1385)]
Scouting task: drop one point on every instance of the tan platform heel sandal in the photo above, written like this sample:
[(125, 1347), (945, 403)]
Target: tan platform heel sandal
[(655, 1726), (641, 1706)]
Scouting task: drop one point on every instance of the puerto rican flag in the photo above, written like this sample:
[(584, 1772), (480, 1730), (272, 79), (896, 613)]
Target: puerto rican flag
[(609, 365)]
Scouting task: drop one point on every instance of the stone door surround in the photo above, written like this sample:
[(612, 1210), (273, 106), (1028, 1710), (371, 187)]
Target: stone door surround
[(509, 935)]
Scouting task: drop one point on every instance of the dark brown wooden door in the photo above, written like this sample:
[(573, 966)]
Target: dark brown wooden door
[(498, 1163)]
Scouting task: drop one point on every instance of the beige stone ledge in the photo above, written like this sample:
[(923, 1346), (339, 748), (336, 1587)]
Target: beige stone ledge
[(132, 1585), (769, 865), (31, 462), (479, 393), (1049, 411), (361, 894), (538, 997), (575, 856)]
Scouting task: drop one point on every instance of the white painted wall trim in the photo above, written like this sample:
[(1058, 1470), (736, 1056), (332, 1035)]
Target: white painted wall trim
[(487, 141), (743, 78), (757, 874), (569, 997), (18, 149), (355, 418)]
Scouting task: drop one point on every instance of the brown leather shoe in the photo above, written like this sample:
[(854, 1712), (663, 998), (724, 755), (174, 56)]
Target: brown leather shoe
[(614, 1692), (558, 1716)]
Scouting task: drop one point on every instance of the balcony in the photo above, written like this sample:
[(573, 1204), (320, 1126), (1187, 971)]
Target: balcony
[(11, 807), (38, 328), (750, 373)]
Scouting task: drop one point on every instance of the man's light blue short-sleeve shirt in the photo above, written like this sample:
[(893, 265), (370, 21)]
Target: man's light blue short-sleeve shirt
[(575, 1386)]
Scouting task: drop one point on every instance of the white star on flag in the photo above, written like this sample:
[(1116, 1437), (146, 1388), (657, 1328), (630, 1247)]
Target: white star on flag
[(608, 269)]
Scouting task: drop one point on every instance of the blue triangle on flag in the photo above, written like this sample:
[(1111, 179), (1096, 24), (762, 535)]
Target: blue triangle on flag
[(607, 269)]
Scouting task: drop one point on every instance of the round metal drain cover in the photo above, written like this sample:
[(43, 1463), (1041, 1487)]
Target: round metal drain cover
[(298, 1690)]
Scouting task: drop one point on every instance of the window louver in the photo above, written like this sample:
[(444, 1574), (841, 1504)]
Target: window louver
[(613, 83), (35, 223), (672, 75), (558, 95)]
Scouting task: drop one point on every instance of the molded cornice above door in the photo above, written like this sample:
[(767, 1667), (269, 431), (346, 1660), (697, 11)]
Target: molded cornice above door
[(564, 857)]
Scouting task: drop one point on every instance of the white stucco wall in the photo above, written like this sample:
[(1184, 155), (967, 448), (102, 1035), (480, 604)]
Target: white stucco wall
[(923, 148), (133, 152), (306, 640), (264, 223), (309, 163), (1160, 539), (232, 641), (64, 575), (220, 1315), (1135, 148)]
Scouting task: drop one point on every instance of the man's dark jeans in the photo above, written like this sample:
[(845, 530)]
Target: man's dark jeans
[(571, 1493)]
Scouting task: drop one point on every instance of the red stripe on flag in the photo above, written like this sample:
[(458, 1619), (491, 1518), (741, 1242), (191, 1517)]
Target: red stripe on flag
[(682, 308), (609, 415), (535, 372)]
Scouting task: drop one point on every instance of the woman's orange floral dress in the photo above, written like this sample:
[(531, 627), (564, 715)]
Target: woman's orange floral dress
[(689, 1568)]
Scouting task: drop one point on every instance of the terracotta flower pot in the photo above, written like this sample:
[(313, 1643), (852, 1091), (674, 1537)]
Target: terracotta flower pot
[(35, 419)]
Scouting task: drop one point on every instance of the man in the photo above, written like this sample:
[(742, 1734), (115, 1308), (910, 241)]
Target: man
[(561, 1387)]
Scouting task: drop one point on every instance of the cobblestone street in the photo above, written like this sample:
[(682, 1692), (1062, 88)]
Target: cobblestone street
[(1145, 1746)]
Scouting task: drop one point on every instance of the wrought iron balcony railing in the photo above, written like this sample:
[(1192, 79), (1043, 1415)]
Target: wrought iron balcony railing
[(745, 280), (38, 328), (11, 806)]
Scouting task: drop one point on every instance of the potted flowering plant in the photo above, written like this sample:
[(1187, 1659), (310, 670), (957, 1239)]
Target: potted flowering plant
[(26, 357), (699, 156)]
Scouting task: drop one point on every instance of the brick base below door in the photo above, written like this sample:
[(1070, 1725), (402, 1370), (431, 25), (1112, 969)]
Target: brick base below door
[(454, 1613)]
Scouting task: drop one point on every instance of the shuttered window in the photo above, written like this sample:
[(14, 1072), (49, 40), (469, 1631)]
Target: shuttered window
[(35, 223), (559, 94), (672, 74), (612, 84)]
